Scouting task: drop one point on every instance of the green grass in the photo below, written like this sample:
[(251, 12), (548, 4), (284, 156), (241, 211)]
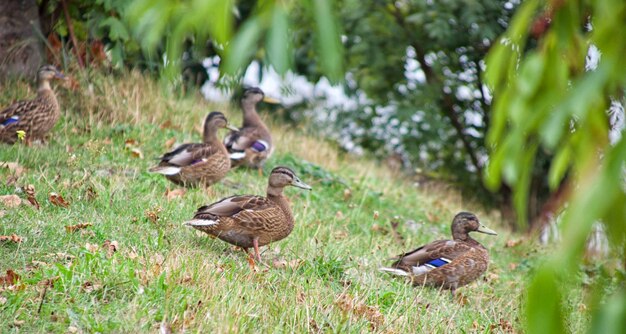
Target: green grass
[(165, 273)]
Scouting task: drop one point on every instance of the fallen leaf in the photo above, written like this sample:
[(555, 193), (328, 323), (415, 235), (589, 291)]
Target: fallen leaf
[(153, 215), (10, 278), (293, 264), (58, 200), (74, 228), (11, 238), (171, 194), (91, 193), (512, 266), (170, 142), (130, 142), (347, 194), (135, 152), (10, 201), (376, 215), (372, 314), (92, 248), (3, 300), (512, 243), (13, 167), (18, 323), (339, 215), (110, 246), (29, 190), (165, 328)]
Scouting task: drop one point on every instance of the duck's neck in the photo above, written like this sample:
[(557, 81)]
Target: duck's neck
[(45, 92), (465, 237), (275, 195), (210, 134), (250, 116)]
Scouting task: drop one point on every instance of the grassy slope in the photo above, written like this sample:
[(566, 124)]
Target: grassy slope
[(163, 272)]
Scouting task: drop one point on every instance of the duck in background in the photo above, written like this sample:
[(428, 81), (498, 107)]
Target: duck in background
[(251, 144), (198, 163), (33, 118)]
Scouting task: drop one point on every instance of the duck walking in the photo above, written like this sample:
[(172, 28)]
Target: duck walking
[(447, 264), (34, 117), (250, 145), (199, 163), (251, 221)]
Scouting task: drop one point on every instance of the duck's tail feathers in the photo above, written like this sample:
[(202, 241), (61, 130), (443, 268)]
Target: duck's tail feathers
[(393, 271), (200, 222), (165, 170)]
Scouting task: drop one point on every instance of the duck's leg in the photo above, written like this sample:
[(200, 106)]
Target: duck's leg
[(260, 169), (250, 258), (255, 243)]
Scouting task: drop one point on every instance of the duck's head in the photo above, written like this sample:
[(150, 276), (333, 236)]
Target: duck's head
[(281, 177), (255, 95), (49, 72), (216, 120), (466, 222)]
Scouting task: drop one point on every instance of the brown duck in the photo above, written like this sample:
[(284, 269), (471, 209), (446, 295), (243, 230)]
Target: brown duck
[(251, 221), (447, 264), (34, 117), (250, 145), (199, 163)]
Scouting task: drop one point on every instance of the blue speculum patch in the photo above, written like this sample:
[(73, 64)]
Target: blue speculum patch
[(437, 262), (258, 146), (11, 120)]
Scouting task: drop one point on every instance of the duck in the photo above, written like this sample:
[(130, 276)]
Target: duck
[(194, 164), (250, 221), (32, 118), (250, 145), (446, 264)]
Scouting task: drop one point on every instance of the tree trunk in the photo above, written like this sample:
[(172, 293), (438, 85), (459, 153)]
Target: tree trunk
[(21, 51)]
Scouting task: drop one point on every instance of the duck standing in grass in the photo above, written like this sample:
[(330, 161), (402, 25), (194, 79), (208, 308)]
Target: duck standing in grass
[(250, 145), (251, 221), (34, 117), (447, 264), (200, 163)]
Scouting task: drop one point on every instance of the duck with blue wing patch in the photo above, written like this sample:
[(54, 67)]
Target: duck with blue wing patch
[(447, 264), (251, 145), (198, 163), (35, 117)]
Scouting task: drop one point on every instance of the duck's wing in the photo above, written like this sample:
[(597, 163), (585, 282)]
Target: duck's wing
[(246, 138), (188, 154), (247, 211), (13, 113), (437, 251)]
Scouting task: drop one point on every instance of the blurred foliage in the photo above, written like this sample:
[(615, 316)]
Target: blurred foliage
[(413, 68), (262, 34), (546, 99)]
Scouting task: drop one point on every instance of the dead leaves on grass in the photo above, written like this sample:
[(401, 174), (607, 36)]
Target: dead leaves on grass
[(132, 146), (11, 238), (175, 193), (352, 305), (9, 279), (74, 228), (29, 190), (109, 246), (153, 214), (58, 200), (10, 201)]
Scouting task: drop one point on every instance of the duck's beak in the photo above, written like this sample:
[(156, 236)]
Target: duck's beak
[(484, 229), (300, 184), (231, 127), (271, 100)]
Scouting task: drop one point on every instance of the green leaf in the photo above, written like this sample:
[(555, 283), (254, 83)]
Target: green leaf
[(560, 165), (244, 45), (543, 309), (329, 45), (278, 44), (117, 30)]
